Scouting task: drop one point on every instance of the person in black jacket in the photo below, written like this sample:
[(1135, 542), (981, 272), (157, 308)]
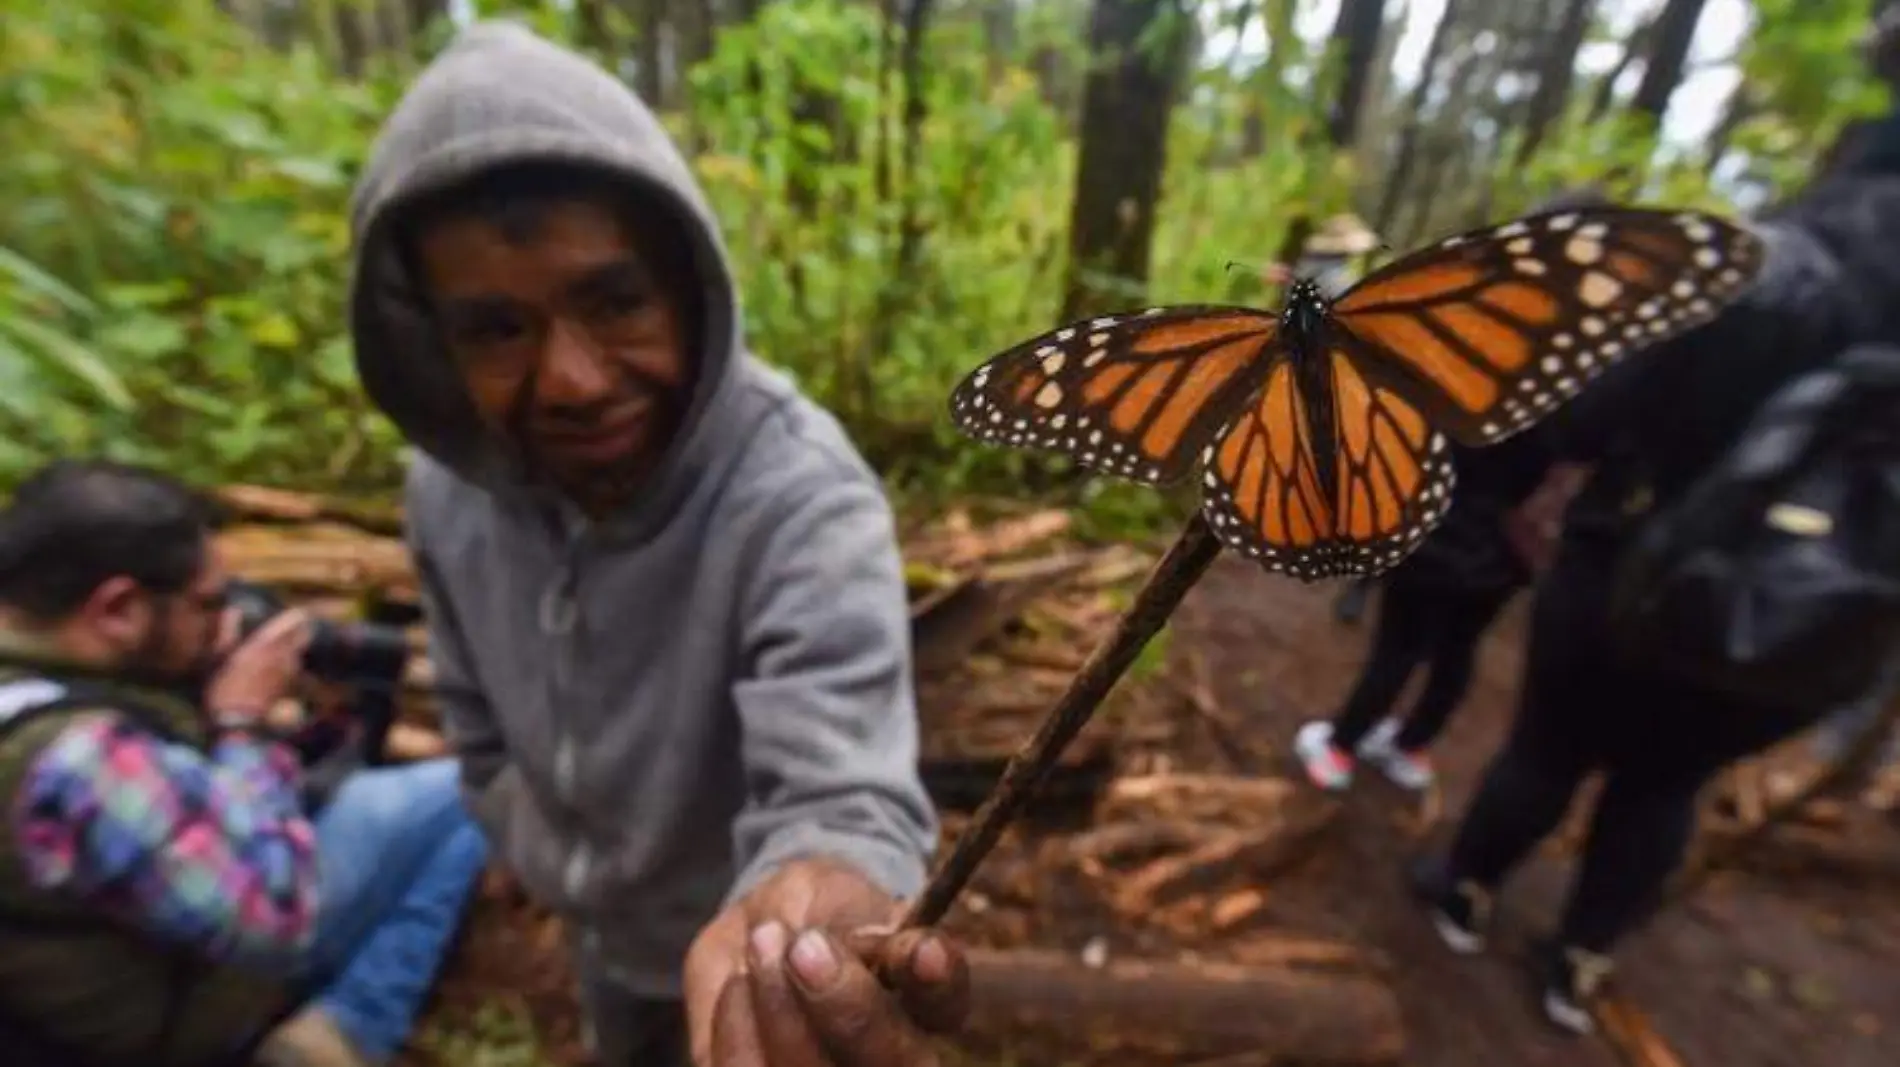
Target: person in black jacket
[(1647, 430), (1434, 608)]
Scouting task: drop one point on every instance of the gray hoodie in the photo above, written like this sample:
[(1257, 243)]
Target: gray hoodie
[(654, 711)]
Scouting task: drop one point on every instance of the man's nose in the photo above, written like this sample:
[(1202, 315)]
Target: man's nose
[(574, 371)]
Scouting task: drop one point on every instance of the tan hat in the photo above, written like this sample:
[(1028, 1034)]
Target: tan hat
[(1342, 235)]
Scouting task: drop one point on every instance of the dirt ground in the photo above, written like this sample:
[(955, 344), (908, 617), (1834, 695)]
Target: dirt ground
[(1750, 973)]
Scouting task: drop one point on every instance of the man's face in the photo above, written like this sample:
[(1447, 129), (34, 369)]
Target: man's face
[(177, 635), (565, 340)]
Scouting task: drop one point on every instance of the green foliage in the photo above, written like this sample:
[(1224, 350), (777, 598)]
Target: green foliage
[(173, 245)]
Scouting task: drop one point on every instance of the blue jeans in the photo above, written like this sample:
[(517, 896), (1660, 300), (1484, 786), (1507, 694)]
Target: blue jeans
[(399, 856)]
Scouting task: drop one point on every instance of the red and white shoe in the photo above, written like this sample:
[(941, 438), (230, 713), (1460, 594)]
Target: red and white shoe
[(1408, 770), (1326, 766)]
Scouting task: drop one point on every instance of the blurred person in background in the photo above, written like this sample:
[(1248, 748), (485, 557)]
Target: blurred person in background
[(165, 897), (1631, 446)]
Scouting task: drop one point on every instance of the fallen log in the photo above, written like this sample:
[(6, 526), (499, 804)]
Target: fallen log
[(946, 628), (257, 503), (1869, 853), (1255, 854), (1184, 1011)]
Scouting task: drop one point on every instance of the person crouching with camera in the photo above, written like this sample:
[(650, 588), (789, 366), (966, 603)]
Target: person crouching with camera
[(165, 899)]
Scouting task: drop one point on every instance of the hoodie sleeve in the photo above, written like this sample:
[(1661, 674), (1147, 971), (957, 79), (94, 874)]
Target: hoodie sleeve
[(467, 719), (826, 707)]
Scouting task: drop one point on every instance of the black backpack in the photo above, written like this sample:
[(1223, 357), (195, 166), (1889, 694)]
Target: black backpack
[(1775, 578)]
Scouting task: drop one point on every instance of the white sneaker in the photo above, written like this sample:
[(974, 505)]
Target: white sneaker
[(1411, 771), (1380, 737), (1326, 767)]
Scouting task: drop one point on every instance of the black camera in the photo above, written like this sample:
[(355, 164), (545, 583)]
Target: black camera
[(357, 653)]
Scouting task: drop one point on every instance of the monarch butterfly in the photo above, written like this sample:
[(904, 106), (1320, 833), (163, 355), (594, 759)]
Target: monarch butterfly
[(1321, 431)]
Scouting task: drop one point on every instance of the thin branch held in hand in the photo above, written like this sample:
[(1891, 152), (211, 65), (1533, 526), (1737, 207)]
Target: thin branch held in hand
[(1177, 572)]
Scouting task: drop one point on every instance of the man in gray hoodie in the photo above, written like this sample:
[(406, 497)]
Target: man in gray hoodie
[(666, 608)]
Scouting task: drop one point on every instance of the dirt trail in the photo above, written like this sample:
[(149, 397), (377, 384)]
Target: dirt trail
[(1750, 974)]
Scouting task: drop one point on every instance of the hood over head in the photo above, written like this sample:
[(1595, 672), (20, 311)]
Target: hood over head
[(499, 96)]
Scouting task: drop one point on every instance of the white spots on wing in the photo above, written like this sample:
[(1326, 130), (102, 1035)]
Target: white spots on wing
[(1592, 326), (1696, 229), (1562, 340), (1095, 437), (1520, 247), (1102, 323), (1097, 340), (1598, 289), (1560, 223), (1057, 422), (1583, 251), (1683, 289), (1707, 258), (1649, 309), (1064, 334), (1491, 429), (1512, 229), (1095, 357), (1533, 267), (1052, 363), (1151, 311), (1595, 231), (1730, 278), (1049, 395)]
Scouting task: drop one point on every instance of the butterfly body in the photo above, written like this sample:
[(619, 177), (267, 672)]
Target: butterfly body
[(1320, 431)]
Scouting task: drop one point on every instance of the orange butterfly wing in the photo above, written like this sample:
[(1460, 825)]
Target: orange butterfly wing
[(1135, 396), (1489, 331), (1276, 492)]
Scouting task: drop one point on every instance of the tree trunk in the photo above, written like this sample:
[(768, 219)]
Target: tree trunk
[(1405, 156), (592, 17), (650, 62), (1356, 37), (1127, 101), (1633, 49), (1669, 54), (1555, 73)]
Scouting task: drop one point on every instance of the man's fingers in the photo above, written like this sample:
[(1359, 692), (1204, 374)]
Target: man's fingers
[(929, 975), (290, 627), (857, 1019), (784, 1032), (735, 1029)]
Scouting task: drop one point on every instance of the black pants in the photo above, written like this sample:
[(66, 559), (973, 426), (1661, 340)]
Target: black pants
[(1584, 709), (1420, 624)]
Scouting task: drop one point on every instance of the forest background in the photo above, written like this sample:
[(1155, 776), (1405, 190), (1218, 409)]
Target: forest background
[(907, 185)]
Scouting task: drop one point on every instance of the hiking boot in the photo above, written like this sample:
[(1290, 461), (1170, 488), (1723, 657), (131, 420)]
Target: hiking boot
[(1571, 978), (1326, 766), (1410, 771), (1460, 911), (308, 1039)]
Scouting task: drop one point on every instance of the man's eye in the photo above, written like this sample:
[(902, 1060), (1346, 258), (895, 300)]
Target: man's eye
[(619, 301), (490, 330)]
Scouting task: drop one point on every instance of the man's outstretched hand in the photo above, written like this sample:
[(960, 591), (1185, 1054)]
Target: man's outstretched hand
[(788, 977)]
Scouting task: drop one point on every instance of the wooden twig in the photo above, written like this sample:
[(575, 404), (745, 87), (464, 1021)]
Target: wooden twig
[(1167, 584)]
